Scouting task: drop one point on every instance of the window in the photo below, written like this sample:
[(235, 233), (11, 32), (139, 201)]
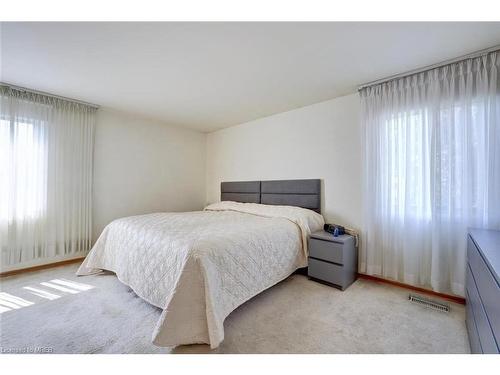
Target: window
[(46, 146), (22, 170), (431, 171)]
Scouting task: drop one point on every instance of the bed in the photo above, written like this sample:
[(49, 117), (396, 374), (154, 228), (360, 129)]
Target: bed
[(200, 266)]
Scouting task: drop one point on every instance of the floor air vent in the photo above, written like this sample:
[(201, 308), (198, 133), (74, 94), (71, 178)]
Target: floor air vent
[(429, 303)]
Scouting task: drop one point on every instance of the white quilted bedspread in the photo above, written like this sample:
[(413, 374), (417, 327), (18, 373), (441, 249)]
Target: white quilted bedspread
[(199, 266)]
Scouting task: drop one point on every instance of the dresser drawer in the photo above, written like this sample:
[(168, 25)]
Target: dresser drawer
[(330, 251), (489, 291), (475, 346), (329, 272), (484, 330)]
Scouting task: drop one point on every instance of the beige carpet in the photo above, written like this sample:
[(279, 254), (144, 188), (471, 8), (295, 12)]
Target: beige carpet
[(295, 316)]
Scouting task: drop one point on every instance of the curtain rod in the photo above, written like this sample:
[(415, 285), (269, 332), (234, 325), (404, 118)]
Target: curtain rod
[(24, 89), (430, 67)]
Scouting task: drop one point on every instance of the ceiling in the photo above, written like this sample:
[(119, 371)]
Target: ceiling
[(208, 76)]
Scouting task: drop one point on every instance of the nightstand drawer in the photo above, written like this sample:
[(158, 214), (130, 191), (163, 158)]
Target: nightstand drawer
[(329, 272), (330, 251)]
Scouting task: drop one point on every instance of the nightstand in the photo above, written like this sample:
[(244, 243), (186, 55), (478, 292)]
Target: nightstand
[(332, 260)]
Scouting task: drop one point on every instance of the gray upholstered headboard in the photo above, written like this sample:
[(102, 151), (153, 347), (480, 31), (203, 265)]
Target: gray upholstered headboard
[(241, 191), (300, 193)]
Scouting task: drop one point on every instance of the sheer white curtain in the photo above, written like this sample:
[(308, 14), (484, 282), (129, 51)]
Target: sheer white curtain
[(46, 147), (432, 169)]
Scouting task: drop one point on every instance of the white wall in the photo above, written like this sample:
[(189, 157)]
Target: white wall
[(143, 166), (318, 141)]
